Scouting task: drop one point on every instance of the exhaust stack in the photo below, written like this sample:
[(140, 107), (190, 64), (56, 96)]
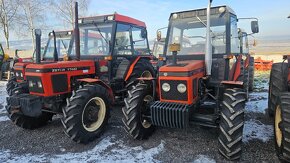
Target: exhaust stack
[(77, 33), (37, 33), (208, 50)]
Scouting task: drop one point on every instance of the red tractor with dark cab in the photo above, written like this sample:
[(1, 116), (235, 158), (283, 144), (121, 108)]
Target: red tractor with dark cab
[(64, 42), (110, 51), (198, 86)]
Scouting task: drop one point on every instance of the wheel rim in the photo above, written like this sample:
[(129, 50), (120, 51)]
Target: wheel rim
[(94, 114), (278, 120), (146, 74), (147, 99)]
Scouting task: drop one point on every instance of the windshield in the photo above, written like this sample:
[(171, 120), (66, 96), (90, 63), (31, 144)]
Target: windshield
[(94, 39), (62, 46), (190, 33)]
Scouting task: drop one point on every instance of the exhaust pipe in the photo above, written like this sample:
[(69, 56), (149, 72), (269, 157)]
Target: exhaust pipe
[(77, 33), (37, 33), (208, 50), (55, 55)]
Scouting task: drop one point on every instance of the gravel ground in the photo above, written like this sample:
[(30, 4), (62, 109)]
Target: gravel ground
[(196, 144)]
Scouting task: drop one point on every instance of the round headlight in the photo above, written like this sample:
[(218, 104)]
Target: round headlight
[(165, 87), (181, 88)]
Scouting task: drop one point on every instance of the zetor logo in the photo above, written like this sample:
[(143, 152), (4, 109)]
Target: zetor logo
[(64, 69)]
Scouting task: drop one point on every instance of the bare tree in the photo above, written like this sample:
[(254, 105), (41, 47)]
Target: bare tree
[(8, 10), (32, 15), (65, 9)]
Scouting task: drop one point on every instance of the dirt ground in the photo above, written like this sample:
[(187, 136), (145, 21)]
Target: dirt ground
[(196, 144)]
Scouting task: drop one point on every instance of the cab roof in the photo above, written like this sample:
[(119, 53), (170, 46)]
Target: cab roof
[(112, 17), (202, 11)]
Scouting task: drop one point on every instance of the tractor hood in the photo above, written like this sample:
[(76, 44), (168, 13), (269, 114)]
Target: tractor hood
[(189, 67)]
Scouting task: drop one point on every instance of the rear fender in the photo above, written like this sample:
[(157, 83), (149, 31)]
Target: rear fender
[(132, 66), (94, 81), (232, 84)]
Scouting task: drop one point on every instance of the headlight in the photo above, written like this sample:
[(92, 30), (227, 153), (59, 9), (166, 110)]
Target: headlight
[(181, 88), (17, 74), (39, 84), (21, 74), (165, 87), (30, 83)]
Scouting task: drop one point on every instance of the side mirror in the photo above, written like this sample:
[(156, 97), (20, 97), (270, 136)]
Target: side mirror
[(159, 35), (143, 33), (255, 26)]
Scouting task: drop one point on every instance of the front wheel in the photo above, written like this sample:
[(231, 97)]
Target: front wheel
[(282, 127), (87, 113), (136, 111), (231, 124)]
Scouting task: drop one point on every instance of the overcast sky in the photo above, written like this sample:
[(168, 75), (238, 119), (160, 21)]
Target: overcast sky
[(272, 15)]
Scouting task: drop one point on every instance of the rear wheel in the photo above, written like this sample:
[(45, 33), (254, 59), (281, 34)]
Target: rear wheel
[(277, 84), (24, 121), (282, 127), (244, 77), (143, 68), (87, 113), (11, 84), (136, 112), (232, 122), (251, 74)]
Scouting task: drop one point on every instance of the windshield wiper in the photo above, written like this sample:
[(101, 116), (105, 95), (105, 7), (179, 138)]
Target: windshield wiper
[(101, 33), (198, 18)]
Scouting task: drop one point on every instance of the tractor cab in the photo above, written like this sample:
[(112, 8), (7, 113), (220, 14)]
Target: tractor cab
[(64, 42), (116, 42), (244, 42)]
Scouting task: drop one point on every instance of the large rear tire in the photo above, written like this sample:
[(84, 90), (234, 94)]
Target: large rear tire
[(282, 127), (251, 74), (87, 113), (136, 111), (231, 124), (143, 68), (11, 84), (277, 85)]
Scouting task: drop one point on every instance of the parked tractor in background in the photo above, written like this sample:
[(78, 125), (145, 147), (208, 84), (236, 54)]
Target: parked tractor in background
[(5, 60), (197, 86), (279, 106), (83, 88), (248, 62), (64, 43)]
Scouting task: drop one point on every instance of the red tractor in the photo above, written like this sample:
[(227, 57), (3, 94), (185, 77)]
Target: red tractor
[(83, 88), (64, 42), (200, 85)]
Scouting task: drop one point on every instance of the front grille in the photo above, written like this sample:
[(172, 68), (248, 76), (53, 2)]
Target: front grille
[(19, 75), (34, 81), (173, 94), (172, 115)]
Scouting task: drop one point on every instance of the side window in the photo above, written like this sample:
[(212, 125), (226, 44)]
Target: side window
[(122, 42), (140, 41), (235, 45)]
